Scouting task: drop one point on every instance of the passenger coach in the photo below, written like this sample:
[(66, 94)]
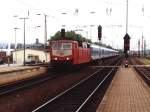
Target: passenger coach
[(99, 52)]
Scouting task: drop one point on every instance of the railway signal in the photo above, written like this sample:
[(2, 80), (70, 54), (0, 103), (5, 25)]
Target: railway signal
[(126, 43), (99, 32), (63, 33)]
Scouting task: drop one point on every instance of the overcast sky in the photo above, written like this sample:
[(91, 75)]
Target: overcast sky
[(111, 14)]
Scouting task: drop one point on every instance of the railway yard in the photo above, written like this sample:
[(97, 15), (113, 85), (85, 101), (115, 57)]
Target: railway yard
[(92, 88), (75, 56)]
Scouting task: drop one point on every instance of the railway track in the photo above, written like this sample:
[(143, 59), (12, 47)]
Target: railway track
[(76, 97), (143, 71), (28, 82), (20, 84), (145, 74)]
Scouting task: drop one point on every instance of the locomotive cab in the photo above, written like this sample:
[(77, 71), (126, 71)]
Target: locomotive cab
[(69, 52), (62, 52)]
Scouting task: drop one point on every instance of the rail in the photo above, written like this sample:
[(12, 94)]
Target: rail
[(143, 70), (145, 76), (78, 93), (24, 83)]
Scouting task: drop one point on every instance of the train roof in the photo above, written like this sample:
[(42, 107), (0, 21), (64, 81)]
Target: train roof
[(92, 45), (102, 47), (63, 41)]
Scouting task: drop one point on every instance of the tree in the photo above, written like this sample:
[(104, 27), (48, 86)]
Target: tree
[(70, 35)]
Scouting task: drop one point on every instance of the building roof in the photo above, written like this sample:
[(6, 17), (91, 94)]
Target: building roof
[(42, 49)]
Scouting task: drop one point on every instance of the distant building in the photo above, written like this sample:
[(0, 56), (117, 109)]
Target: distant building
[(36, 45), (36, 55), (8, 51)]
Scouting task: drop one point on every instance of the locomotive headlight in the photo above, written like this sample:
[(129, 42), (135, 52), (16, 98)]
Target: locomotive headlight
[(67, 58), (55, 58)]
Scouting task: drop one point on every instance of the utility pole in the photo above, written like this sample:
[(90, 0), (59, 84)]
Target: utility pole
[(139, 47), (24, 44), (15, 29), (127, 17), (45, 30), (45, 35), (126, 37), (142, 46), (92, 13)]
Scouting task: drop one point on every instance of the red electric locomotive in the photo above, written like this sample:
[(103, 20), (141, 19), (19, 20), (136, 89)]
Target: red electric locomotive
[(69, 52)]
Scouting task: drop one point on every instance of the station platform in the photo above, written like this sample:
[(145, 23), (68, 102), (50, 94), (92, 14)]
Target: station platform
[(126, 93), (11, 73)]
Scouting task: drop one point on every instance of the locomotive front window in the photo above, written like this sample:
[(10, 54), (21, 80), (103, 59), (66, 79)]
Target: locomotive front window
[(56, 45), (67, 46), (61, 45)]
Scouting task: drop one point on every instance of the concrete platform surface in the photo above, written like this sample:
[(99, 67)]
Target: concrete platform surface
[(127, 93), (10, 69), (15, 73)]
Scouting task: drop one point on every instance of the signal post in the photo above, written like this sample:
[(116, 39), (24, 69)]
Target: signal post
[(126, 45)]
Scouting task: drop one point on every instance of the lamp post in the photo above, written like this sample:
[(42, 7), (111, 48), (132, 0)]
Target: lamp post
[(142, 45), (63, 13), (15, 29), (63, 25), (24, 44), (45, 29), (45, 33)]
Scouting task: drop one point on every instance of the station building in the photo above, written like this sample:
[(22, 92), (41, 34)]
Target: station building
[(35, 55)]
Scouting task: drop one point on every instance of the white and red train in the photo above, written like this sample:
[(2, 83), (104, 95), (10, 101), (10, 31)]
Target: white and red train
[(63, 52)]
